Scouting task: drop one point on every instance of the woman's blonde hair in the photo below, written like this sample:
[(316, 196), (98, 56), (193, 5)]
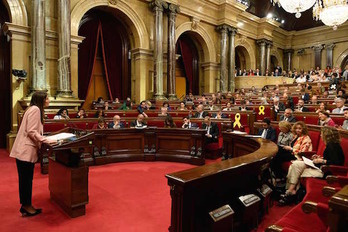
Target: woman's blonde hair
[(285, 124), (303, 125), (330, 135)]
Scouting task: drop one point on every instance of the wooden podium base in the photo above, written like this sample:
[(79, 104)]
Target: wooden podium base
[(69, 187)]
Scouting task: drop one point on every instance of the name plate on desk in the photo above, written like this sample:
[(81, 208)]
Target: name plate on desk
[(221, 213), (248, 200)]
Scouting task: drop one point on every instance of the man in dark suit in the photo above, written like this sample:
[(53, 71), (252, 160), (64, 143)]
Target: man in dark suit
[(212, 130), (287, 116), (304, 96), (116, 123), (141, 108), (200, 113), (278, 106), (187, 124), (139, 122), (301, 107), (267, 132)]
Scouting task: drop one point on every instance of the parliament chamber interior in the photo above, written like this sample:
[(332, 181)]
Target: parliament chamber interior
[(176, 115)]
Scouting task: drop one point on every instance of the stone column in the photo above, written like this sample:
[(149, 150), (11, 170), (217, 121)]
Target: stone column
[(262, 44), (268, 56), (288, 56), (171, 59), (329, 50), (64, 38), (158, 6), (223, 58), (232, 60), (317, 55), (38, 46)]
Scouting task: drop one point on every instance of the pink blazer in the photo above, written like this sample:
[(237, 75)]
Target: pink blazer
[(29, 137)]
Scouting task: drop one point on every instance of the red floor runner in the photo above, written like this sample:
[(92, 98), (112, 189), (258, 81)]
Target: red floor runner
[(126, 197)]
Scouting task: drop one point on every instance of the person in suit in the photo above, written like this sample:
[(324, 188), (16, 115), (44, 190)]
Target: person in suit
[(287, 116), (304, 96), (141, 108), (28, 141), (81, 113), (340, 106), (187, 124), (219, 115), (62, 114), (200, 113), (116, 123), (243, 106), (301, 107), (139, 122), (267, 132), (212, 130), (278, 106)]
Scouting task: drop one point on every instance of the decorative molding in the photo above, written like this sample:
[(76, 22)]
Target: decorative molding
[(330, 46), (113, 2), (195, 23)]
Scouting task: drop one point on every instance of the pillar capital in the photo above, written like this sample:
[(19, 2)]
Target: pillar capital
[(223, 28), (286, 51), (173, 9), (330, 46), (233, 31), (318, 48), (158, 5)]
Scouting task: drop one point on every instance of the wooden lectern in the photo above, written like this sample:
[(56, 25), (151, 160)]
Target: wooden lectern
[(68, 173)]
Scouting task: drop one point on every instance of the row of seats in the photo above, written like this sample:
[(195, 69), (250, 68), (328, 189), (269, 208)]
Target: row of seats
[(297, 219)]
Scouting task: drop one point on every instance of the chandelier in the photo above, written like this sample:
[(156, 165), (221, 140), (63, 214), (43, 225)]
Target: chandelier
[(295, 6), (331, 12)]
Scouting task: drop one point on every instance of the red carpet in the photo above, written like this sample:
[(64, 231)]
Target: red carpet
[(126, 197)]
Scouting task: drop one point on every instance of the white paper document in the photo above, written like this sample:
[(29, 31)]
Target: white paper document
[(61, 136), (309, 163)]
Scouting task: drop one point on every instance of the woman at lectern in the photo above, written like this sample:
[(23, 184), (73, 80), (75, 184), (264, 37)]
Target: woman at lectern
[(25, 149)]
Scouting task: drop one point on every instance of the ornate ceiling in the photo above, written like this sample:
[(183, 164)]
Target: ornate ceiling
[(261, 8)]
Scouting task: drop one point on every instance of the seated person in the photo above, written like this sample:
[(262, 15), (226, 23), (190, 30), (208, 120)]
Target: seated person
[(228, 107), (219, 115), (287, 116), (187, 124), (212, 130), (267, 132), (127, 105), (166, 105), (164, 111), (243, 106), (182, 106), (301, 107), (141, 108), (100, 100), (99, 113), (81, 113), (116, 100), (101, 124), (285, 138), (200, 113), (278, 106), (106, 106), (168, 122), (62, 114), (301, 141), (212, 106), (116, 123), (189, 98), (139, 122), (340, 106), (150, 106), (322, 106), (324, 119), (333, 155), (345, 123)]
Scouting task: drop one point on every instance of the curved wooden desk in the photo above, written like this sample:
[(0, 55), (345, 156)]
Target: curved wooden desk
[(196, 192), (69, 162)]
